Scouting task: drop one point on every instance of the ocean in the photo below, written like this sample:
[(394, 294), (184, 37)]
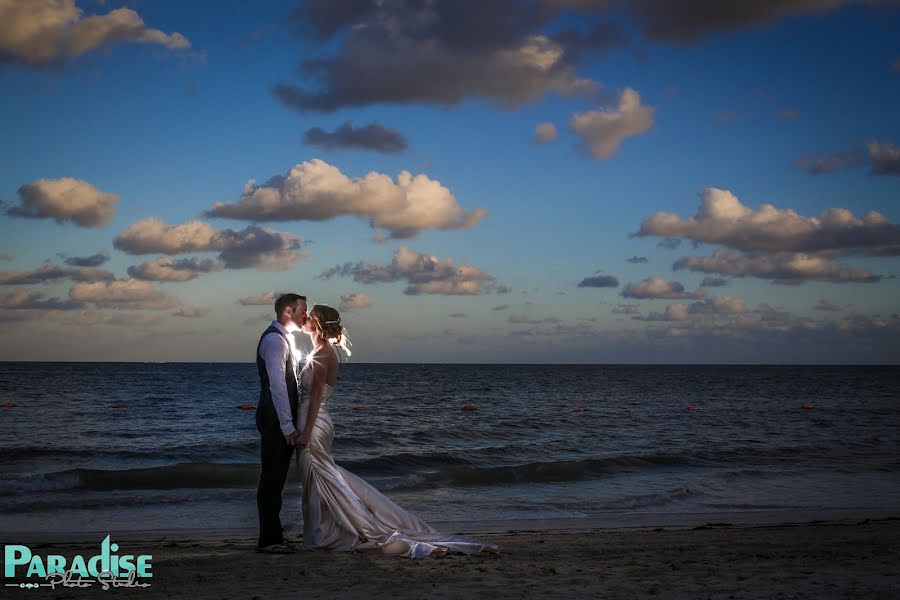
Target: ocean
[(649, 441)]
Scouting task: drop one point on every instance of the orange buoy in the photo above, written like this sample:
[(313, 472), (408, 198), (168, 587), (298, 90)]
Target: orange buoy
[(693, 407), (807, 405), (470, 407), (245, 406), (120, 405), (579, 409), (359, 408), (7, 404)]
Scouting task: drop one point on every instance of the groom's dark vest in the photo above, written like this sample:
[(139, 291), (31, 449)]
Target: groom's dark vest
[(266, 415)]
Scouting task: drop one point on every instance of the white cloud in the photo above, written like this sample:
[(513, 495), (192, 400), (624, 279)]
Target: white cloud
[(424, 274), (779, 267), (657, 287), (36, 32), (128, 294), (252, 247), (263, 299), (603, 130), (355, 301), (65, 199), (168, 268), (545, 133), (191, 312), (49, 273), (723, 219), (318, 191), (885, 158)]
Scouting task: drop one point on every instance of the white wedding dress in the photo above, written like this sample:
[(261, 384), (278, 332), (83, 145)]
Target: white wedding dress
[(343, 512)]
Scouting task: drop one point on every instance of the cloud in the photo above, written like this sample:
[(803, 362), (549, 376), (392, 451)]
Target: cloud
[(719, 304), (689, 20), (190, 312), (635, 260), (125, 294), (263, 299), (133, 320), (501, 307), (317, 191), (714, 282), (780, 267), (373, 137), (723, 219), (252, 247), (657, 287), (823, 164), (65, 199), (51, 272), (7, 257), (168, 268), (626, 309), (603, 130), (827, 305), (424, 274), (884, 157), (600, 281), (545, 133), (669, 243), (399, 59), (22, 299), (38, 32), (94, 260), (355, 301), (459, 315), (673, 312)]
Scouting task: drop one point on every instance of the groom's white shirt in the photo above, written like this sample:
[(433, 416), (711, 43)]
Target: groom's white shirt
[(275, 353)]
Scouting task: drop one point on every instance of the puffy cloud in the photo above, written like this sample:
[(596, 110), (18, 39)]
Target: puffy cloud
[(673, 312), (191, 312), (127, 294), (714, 282), (669, 243), (51, 272), (95, 260), (317, 191), (424, 274), (263, 299), (22, 299), (545, 133), (600, 281), (657, 287), (354, 301), (168, 268), (780, 267), (65, 199), (723, 219), (519, 319), (885, 158), (827, 305), (413, 67), (603, 130), (373, 137), (252, 247), (636, 260), (719, 304), (37, 32)]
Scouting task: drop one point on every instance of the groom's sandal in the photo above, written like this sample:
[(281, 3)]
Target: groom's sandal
[(278, 549)]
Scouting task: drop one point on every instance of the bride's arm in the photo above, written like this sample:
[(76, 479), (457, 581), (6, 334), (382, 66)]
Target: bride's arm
[(319, 369)]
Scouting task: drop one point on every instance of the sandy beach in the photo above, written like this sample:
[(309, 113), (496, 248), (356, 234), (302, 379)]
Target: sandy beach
[(830, 559)]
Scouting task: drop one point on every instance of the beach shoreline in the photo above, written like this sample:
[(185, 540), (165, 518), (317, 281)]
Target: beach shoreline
[(817, 559)]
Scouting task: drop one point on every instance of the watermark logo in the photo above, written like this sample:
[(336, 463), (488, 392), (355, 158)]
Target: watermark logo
[(107, 569)]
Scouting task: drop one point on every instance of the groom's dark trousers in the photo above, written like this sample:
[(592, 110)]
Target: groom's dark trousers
[(275, 455)]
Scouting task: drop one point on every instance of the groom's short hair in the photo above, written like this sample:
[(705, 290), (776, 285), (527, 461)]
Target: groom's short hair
[(286, 300)]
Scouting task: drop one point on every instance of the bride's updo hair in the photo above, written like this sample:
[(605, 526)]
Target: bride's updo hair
[(328, 322)]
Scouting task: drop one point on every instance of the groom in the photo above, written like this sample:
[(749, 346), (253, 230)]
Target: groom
[(276, 414)]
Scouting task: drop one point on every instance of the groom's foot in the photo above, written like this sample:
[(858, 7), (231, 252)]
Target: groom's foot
[(277, 549)]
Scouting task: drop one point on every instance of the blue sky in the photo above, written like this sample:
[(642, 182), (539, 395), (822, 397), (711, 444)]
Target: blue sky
[(745, 102)]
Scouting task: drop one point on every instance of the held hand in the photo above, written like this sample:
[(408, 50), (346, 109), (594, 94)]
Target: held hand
[(303, 440), (292, 438)]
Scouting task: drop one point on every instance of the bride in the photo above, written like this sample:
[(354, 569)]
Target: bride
[(340, 510)]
